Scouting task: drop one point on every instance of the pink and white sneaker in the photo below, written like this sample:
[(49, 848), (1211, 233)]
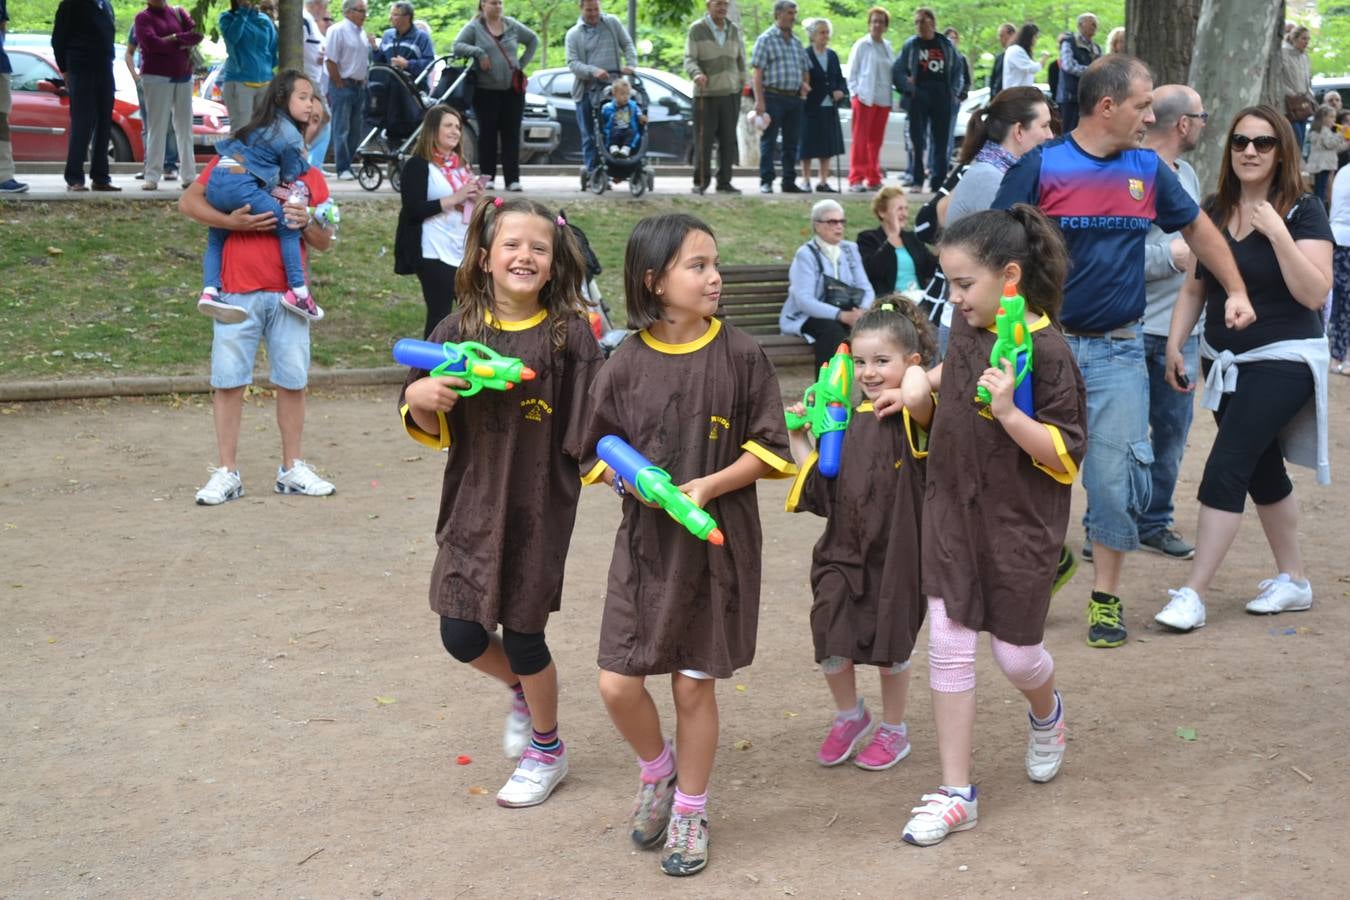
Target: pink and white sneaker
[(940, 815), (846, 736), (887, 747), (210, 304), (302, 306)]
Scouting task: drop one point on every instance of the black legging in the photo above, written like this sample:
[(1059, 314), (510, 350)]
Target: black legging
[(828, 335), (499, 114), (438, 290), (1246, 458)]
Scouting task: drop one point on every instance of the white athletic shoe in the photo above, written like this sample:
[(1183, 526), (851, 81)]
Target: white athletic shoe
[(1184, 612), (1282, 594), (536, 776), (940, 815), (517, 733), (222, 487), (301, 479), (1045, 749)]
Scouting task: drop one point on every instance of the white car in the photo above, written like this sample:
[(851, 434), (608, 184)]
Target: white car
[(893, 156)]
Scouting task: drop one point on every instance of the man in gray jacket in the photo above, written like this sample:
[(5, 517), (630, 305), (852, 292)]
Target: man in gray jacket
[(596, 46), (714, 58), (1179, 120)]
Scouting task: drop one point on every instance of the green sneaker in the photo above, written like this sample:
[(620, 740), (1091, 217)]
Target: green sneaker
[(1064, 573), (1104, 625)]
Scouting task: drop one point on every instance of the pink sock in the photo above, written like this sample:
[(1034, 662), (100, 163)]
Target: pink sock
[(686, 804), (658, 769)]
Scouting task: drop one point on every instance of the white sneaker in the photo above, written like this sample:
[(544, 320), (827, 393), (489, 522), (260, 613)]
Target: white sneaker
[(536, 775), (1282, 594), (346, 175), (1184, 612), (222, 487), (300, 479), (939, 816), (1045, 748), (516, 736)]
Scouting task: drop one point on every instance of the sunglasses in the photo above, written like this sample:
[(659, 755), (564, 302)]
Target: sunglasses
[(831, 221), (1264, 143)]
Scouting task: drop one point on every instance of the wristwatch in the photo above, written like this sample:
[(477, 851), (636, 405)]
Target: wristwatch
[(618, 485)]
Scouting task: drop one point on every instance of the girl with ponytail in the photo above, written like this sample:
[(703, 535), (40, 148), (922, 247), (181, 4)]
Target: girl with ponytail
[(997, 501)]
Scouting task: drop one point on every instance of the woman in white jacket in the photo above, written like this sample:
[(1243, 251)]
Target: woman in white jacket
[(1019, 69), (869, 86), (806, 312)]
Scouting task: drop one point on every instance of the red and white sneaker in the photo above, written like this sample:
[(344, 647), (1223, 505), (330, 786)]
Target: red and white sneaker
[(1045, 749), (846, 735), (887, 747), (302, 306), (939, 816)]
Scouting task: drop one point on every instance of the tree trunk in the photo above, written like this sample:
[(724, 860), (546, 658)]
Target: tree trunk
[(291, 34), (1236, 45), (1162, 34)]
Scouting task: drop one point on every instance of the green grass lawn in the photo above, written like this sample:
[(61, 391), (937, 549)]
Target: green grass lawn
[(108, 288)]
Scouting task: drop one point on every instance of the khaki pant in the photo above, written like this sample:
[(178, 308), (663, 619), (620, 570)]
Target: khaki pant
[(241, 100), (165, 99), (715, 122), (6, 148)]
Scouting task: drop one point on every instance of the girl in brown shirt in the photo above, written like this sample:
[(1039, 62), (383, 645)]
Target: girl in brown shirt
[(512, 476), (868, 602), (997, 502), (700, 399)]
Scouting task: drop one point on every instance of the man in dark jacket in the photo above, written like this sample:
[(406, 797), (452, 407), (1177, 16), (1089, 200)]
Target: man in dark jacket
[(928, 80), (1006, 32), (1076, 53), (82, 41)]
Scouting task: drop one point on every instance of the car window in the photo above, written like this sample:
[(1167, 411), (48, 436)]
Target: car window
[(560, 86), (658, 91), (29, 70)]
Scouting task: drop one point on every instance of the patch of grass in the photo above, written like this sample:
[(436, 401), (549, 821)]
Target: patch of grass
[(108, 288)]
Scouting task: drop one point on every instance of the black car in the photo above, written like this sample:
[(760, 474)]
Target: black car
[(670, 117)]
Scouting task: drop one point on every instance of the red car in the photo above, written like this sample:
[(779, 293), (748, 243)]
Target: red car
[(40, 118)]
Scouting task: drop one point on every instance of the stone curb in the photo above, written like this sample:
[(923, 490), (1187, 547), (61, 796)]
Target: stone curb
[(150, 385)]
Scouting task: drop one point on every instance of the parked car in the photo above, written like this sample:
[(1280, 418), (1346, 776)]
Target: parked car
[(1338, 83), (40, 119), (670, 116)]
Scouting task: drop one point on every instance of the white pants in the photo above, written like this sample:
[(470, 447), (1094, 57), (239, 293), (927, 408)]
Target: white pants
[(165, 99), (6, 148), (241, 100)]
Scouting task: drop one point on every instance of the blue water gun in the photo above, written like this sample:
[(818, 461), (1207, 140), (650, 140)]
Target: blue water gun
[(478, 364), (828, 410), (654, 485)]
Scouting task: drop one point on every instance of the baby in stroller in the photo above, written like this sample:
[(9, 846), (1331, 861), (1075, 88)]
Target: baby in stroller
[(622, 121)]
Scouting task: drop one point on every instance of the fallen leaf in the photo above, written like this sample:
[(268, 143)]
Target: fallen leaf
[(55, 251), (742, 688), (478, 791), (385, 701), (1186, 734), (789, 714), (742, 745)]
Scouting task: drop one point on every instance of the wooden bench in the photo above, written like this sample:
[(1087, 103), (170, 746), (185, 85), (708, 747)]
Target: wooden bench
[(752, 299)]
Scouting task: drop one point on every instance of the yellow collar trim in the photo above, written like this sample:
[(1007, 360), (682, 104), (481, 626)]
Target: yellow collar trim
[(519, 325), (864, 407), (1042, 322), (714, 326)]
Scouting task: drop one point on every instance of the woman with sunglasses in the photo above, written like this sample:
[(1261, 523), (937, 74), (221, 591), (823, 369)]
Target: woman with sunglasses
[(825, 269), (1265, 363)]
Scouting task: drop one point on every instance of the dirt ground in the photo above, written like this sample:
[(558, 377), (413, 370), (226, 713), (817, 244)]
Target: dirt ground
[(252, 701)]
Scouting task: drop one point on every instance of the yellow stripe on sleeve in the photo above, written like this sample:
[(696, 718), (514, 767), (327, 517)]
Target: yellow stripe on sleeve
[(1070, 468), (594, 474), (441, 441), (782, 468), (794, 496)]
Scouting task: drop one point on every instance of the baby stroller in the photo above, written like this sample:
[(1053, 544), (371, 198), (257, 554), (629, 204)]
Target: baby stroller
[(596, 308), (633, 168), (395, 106)]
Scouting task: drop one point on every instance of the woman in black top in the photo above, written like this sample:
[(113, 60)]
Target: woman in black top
[(439, 191), (885, 248), (821, 136), (1281, 241)]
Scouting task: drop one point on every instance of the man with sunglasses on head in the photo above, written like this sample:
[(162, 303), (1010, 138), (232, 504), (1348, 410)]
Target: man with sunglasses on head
[(1105, 190)]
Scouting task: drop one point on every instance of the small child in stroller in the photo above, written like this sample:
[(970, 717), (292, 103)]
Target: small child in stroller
[(622, 120)]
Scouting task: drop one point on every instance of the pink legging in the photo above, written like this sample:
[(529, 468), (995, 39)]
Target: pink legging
[(951, 656)]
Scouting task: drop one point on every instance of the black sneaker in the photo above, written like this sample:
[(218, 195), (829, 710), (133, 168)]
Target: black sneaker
[(791, 187), (1064, 572), (1168, 543), (1104, 626)]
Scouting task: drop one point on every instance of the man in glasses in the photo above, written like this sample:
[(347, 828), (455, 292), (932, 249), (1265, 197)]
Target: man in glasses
[(1179, 120), (1105, 190), (404, 46)]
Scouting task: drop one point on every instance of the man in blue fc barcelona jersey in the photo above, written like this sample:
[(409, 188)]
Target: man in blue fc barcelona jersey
[(1104, 190)]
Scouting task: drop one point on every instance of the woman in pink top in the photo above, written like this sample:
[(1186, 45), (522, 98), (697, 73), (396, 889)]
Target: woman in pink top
[(166, 36)]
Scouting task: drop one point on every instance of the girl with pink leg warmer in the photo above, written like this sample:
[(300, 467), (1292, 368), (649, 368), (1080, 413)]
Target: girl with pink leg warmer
[(997, 505)]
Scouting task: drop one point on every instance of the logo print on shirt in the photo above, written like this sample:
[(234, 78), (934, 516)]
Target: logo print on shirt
[(932, 60), (535, 409), (716, 422), (1137, 188)]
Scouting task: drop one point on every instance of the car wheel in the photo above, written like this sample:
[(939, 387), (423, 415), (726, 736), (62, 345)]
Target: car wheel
[(370, 176), (119, 148)]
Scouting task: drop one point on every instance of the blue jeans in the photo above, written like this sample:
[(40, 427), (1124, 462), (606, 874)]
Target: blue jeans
[(1169, 421), (320, 148), (586, 125), (785, 114), (1119, 456), (348, 105), (227, 191)]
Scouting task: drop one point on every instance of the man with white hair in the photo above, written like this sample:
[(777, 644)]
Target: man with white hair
[(347, 57), (1076, 53)]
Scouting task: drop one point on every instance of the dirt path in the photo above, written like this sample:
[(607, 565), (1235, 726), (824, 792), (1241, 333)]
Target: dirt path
[(252, 701)]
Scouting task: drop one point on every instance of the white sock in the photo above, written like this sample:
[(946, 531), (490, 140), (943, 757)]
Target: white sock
[(302, 291), (853, 714), (210, 290)]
